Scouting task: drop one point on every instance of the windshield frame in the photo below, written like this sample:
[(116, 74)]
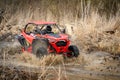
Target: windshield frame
[(41, 26)]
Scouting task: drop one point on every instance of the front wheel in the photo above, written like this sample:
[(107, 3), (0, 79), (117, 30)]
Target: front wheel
[(74, 50), (39, 47)]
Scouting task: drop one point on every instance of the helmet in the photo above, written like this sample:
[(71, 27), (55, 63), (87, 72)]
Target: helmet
[(48, 28)]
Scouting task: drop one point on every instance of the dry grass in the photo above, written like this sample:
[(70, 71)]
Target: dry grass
[(44, 61), (48, 60), (47, 64), (87, 18), (90, 19), (94, 33)]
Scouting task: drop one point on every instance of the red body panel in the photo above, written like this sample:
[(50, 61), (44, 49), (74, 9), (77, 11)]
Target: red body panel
[(52, 41), (29, 38)]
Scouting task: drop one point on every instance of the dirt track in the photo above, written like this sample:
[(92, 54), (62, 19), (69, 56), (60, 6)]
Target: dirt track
[(92, 66), (72, 72)]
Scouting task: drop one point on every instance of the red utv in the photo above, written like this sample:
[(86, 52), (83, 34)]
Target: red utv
[(41, 38)]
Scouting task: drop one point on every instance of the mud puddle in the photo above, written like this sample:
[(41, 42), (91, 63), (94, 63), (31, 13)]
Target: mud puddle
[(87, 66)]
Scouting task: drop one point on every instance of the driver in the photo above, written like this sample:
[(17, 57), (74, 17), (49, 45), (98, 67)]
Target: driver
[(47, 30)]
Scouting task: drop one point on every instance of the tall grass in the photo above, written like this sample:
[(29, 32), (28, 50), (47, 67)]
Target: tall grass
[(99, 33), (49, 66), (18, 12), (90, 19)]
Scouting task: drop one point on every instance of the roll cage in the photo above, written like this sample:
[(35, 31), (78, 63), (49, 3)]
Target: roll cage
[(42, 25)]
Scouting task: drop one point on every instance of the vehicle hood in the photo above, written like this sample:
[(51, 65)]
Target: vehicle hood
[(58, 36)]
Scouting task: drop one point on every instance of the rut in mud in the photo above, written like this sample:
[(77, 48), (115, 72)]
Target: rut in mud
[(64, 71), (95, 65)]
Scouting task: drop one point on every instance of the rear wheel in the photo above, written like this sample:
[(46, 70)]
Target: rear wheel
[(39, 47), (74, 51)]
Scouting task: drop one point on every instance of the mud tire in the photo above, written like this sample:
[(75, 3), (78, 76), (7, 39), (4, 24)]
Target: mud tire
[(74, 51), (39, 47)]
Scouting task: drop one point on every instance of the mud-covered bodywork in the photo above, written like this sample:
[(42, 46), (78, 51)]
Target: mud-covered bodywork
[(57, 41)]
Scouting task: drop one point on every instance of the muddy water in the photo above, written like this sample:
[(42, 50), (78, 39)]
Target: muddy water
[(13, 44), (93, 67), (9, 47)]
